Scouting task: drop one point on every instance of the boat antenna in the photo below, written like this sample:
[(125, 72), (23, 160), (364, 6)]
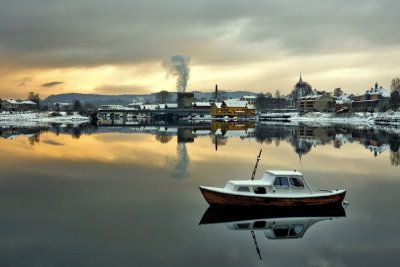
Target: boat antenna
[(255, 242), (255, 167)]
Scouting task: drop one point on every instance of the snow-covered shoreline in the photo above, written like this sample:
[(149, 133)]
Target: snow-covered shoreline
[(39, 118), (390, 117)]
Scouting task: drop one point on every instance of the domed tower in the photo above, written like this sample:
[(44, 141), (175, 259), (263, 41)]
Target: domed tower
[(301, 89)]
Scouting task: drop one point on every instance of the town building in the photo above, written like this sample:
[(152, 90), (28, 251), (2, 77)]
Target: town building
[(251, 99), (201, 105), (301, 89), (321, 103), (232, 108), (344, 102), (185, 99), (216, 109), (373, 100), (63, 106), (14, 105), (135, 105)]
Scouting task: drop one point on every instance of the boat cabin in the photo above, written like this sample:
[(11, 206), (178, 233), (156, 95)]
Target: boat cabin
[(279, 228), (271, 182)]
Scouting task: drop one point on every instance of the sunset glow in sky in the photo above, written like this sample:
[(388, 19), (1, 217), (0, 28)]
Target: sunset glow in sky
[(116, 47)]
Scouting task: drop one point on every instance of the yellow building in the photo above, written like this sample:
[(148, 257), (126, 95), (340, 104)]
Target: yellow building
[(232, 108)]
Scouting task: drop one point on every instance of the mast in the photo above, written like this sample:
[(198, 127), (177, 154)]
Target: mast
[(255, 242), (255, 167)]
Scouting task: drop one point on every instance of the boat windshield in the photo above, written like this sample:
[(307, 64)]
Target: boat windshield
[(281, 182), (296, 183)]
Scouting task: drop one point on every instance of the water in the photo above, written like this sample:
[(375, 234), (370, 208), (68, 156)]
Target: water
[(128, 195)]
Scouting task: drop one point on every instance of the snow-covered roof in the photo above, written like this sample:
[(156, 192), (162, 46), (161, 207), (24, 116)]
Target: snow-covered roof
[(249, 96), (235, 103), (15, 102), (379, 91), (233, 133), (149, 107), (251, 107), (11, 101), (171, 105), (27, 102), (344, 99), (161, 106), (218, 104), (203, 132), (201, 104)]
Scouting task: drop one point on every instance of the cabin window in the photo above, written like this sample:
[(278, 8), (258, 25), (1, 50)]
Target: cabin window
[(281, 182), (243, 189), (260, 190), (243, 225), (296, 183), (296, 229), (259, 224), (281, 230)]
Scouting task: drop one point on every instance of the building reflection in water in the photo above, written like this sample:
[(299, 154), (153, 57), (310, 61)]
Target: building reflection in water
[(302, 137)]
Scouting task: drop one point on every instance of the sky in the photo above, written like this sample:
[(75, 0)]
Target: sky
[(117, 47)]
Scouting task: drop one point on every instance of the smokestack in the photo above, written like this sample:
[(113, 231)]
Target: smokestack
[(216, 91), (178, 65)]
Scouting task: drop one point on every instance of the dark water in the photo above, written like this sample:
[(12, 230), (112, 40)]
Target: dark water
[(128, 195)]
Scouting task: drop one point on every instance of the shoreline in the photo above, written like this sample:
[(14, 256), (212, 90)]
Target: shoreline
[(40, 118), (389, 118)]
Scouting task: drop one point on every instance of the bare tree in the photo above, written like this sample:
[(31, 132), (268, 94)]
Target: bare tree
[(395, 158), (34, 97), (338, 92), (395, 86), (277, 93), (77, 106), (163, 97), (260, 101), (163, 138), (394, 100)]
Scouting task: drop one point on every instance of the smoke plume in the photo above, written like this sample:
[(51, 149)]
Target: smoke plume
[(180, 171), (178, 65)]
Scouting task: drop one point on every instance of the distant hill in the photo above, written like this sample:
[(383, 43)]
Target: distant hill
[(124, 100)]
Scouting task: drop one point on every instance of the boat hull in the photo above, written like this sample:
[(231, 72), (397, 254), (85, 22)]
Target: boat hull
[(219, 198)]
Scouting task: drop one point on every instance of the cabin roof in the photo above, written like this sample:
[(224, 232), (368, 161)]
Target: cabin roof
[(247, 182), (283, 173)]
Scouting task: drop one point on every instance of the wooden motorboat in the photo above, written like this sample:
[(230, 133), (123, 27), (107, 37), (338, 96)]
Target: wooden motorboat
[(275, 188)]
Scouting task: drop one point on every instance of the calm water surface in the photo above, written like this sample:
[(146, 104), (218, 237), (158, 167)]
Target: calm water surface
[(128, 195)]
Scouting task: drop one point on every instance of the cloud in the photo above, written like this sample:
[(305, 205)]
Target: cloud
[(51, 84), (24, 81), (263, 44), (80, 33), (52, 143)]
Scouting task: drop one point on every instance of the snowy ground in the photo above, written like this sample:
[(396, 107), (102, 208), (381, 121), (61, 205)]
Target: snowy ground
[(39, 118), (345, 118)]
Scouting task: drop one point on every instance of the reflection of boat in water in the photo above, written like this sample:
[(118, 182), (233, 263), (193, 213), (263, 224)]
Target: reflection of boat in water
[(282, 223), (223, 214), (274, 222), (275, 188)]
